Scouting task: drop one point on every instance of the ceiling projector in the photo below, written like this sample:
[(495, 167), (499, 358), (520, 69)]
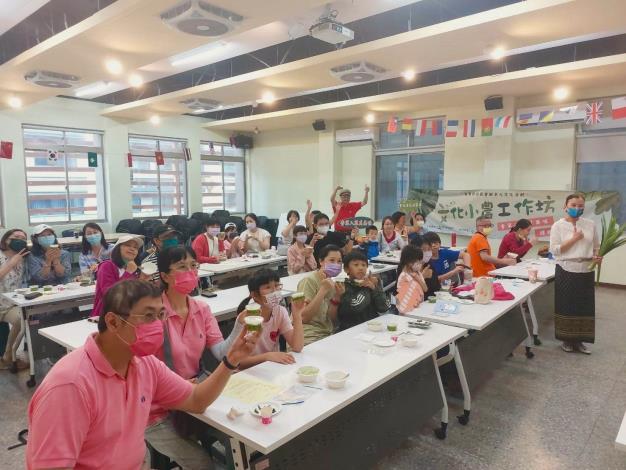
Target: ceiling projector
[(331, 32)]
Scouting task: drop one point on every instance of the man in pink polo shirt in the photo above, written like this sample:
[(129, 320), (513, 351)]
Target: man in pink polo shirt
[(92, 408), (344, 209)]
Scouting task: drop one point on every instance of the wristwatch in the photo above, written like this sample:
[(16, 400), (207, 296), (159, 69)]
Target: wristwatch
[(228, 364)]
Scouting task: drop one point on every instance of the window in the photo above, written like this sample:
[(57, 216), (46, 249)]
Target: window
[(601, 162), (405, 161), (223, 177), (61, 186), (158, 190)]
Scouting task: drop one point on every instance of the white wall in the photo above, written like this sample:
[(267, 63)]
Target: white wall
[(86, 115)]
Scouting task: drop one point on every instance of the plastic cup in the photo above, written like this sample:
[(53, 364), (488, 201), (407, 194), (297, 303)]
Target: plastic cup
[(297, 298), (392, 326), (266, 414), (34, 288), (533, 274), (253, 322)]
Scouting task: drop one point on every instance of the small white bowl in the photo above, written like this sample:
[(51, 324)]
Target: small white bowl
[(72, 285), (336, 379), (408, 340), (310, 376), (22, 291), (375, 325)]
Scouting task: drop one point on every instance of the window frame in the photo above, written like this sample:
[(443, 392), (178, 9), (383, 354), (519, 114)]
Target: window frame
[(68, 149), (166, 155), (220, 157)]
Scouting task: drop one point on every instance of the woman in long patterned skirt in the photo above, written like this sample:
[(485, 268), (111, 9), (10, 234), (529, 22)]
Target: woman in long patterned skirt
[(575, 244)]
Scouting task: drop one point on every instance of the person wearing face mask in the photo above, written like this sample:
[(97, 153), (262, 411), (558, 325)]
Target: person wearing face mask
[(230, 233), (517, 240), (575, 244), (479, 250), (389, 239), (13, 275), (209, 248), (322, 295), (95, 248), (364, 298), (323, 236), (428, 271), (411, 284), (189, 329), (48, 263), (300, 257), (254, 239), (266, 290), (91, 409), (121, 266), (163, 237)]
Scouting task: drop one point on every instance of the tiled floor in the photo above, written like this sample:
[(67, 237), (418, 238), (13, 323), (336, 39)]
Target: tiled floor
[(556, 411)]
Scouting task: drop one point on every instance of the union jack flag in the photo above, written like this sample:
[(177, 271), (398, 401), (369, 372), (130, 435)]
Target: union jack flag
[(594, 113)]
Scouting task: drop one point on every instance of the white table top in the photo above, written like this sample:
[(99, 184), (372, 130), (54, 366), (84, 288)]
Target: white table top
[(369, 366), (57, 296), (291, 282), (235, 264), (545, 266), (478, 316), (70, 335), (393, 257), (228, 300), (620, 440)]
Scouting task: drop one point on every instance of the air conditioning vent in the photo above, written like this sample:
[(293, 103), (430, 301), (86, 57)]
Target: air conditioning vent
[(201, 103), (200, 18), (358, 72), (51, 79)]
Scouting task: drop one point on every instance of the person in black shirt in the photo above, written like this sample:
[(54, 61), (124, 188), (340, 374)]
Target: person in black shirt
[(322, 236)]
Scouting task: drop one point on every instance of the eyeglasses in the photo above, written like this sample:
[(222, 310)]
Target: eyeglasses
[(150, 317)]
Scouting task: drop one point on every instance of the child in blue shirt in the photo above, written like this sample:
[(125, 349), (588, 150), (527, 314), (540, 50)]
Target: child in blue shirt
[(371, 246)]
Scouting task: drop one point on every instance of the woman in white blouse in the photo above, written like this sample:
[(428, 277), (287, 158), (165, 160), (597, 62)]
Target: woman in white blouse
[(388, 238), (254, 239), (574, 243)]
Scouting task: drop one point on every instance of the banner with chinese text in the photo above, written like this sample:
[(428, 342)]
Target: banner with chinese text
[(456, 211)]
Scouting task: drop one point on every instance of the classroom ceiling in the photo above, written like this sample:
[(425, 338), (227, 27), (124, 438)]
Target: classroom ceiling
[(14, 11), (585, 74)]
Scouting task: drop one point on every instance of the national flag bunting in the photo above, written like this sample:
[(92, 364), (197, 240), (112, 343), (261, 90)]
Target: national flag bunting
[(92, 159), (129, 159), (486, 127), (407, 124), (420, 127), (452, 127), (593, 113), (211, 148), (546, 116), (6, 149), (527, 118), (392, 125), (469, 128), (502, 122), (618, 108), (159, 158), (436, 127), (187, 153)]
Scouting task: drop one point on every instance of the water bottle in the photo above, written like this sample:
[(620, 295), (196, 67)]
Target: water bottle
[(467, 276)]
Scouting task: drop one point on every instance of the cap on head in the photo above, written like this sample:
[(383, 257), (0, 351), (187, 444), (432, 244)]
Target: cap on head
[(229, 225), (163, 230), (129, 237), (41, 228), (345, 192)]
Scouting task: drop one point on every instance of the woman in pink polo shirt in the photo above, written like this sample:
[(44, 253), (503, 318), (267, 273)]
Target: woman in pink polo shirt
[(189, 328), (91, 409)]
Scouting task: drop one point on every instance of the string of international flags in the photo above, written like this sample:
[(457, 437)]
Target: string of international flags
[(591, 113)]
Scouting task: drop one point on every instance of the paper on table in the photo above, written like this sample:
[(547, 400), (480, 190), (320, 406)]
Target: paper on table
[(248, 390)]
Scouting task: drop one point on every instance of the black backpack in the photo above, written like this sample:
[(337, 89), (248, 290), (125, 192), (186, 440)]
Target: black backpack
[(130, 226)]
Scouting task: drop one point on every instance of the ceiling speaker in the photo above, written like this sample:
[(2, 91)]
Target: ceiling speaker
[(319, 125), (493, 103)]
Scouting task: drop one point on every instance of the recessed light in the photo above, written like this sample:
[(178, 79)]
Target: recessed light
[(14, 102), (409, 74), (114, 66), (94, 89), (135, 80), (561, 93), (497, 53), (268, 97), (155, 120), (370, 118), (200, 111)]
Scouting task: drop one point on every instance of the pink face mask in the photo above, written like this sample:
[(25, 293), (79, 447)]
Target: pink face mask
[(148, 338), (185, 282)]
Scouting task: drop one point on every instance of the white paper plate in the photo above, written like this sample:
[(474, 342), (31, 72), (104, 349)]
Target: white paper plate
[(384, 343), (256, 409)]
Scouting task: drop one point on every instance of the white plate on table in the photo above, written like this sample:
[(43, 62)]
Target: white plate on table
[(384, 343)]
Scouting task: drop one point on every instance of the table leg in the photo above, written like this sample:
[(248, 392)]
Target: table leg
[(533, 319), (467, 399), (441, 432), (31, 356), (529, 340), (240, 455)]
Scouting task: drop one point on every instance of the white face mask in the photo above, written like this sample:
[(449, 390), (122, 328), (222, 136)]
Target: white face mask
[(251, 225), (214, 231), (322, 229), (301, 238), (419, 223), (273, 300), (427, 256)]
